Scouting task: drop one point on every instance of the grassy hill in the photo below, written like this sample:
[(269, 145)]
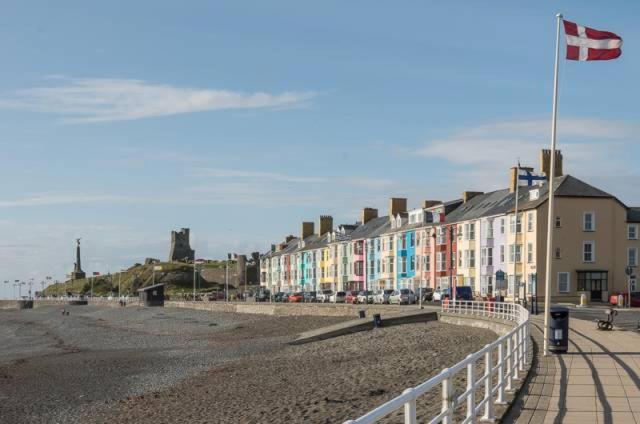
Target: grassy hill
[(177, 276)]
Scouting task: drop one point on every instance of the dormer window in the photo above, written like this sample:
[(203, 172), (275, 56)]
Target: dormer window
[(534, 194)]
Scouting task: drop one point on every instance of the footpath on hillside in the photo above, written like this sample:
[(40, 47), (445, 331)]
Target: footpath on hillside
[(596, 381)]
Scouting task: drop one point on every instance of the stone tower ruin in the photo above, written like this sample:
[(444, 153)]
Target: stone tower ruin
[(181, 251)]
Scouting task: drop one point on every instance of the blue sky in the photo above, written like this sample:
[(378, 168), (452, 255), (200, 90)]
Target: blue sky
[(120, 121)]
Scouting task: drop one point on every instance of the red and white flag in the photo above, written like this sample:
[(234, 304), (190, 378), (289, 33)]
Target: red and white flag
[(585, 43)]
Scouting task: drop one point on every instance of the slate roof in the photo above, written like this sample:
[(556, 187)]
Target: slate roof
[(371, 227), (314, 241)]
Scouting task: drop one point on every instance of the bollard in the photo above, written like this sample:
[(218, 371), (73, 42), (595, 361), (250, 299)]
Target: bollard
[(583, 300), (377, 321)]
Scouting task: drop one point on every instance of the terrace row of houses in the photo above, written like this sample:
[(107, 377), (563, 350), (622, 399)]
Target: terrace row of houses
[(471, 241)]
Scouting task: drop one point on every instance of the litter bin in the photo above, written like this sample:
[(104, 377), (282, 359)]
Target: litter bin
[(558, 329), (377, 321)]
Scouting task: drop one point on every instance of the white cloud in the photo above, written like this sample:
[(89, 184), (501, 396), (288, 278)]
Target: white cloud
[(234, 173), (102, 100), (592, 148)]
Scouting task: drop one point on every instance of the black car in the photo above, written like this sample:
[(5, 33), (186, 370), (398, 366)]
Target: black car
[(426, 293), (280, 297), (263, 296)]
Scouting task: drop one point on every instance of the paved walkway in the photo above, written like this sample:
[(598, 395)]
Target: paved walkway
[(596, 381)]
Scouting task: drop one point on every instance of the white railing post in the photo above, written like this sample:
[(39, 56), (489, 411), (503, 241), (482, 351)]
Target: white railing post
[(447, 399), (488, 385), (521, 349), (501, 382), (410, 409), (516, 349), (509, 361), (471, 388)]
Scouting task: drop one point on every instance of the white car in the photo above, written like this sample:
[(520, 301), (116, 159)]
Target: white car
[(365, 296), (338, 297), (402, 297), (438, 294), (323, 296), (382, 296)]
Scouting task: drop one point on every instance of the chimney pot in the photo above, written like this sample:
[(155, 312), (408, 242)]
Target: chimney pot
[(368, 214), (397, 205), (468, 195), (545, 163), (307, 230)]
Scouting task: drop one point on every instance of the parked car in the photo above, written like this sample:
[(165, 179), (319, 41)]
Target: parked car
[(338, 297), (426, 293), (438, 294), (295, 297), (214, 296), (279, 297), (462, 293), (262, 296), (309, 296), (365, 296), (402, 297), (324, 295), (382, 296), (351, 297)]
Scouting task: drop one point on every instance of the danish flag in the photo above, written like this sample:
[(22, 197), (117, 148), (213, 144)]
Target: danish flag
[(585, 43)]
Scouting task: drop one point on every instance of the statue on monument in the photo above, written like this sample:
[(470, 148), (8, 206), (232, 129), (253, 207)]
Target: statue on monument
[(77, 273)]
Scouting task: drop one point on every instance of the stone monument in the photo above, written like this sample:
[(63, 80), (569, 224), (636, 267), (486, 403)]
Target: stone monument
[(181, 251), (77, 273)]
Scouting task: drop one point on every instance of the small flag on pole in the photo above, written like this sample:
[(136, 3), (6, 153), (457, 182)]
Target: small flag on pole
[(584, 43), (527, 178)]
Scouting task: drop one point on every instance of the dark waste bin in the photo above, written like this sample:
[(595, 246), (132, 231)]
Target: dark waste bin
[(361, 313), (377, 321), (558, 329)]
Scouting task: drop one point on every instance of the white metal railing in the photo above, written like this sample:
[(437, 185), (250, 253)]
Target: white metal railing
[(503, 361)]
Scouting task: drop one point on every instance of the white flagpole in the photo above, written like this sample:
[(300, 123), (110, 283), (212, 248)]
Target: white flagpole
[(516, 290), (551, 215)]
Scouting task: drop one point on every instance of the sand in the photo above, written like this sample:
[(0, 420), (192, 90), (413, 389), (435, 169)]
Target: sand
[(173, 366)]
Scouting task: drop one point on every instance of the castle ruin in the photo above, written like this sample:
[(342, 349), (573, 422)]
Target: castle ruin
[(181, 251)]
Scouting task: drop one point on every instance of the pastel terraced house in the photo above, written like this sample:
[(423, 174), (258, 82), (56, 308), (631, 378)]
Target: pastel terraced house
[(471, 241)]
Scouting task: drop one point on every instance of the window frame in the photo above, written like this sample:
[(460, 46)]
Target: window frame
[(635, 231), (584, 221), (593, 251), (568, 274), (635, 256)]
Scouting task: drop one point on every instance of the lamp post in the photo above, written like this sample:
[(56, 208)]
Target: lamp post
[(226, 278), (629, 272), (30, 286)]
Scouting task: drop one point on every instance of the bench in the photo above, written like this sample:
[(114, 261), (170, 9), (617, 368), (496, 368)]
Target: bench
[(607, 325)]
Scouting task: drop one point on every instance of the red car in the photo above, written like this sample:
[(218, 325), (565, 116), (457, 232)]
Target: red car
[(295, 297), (351, 297)]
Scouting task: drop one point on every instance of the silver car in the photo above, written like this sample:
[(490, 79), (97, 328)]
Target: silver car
[(402, 297), (382, 296)]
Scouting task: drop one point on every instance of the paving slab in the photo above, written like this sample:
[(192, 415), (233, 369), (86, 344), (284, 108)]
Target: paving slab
[(596, 381)]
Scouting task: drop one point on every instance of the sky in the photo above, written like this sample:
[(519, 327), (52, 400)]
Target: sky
[(121, 121)]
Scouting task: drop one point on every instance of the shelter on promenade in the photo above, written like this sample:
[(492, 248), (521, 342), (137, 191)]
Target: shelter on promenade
[(152, 295)]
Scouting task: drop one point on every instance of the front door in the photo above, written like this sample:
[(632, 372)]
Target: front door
[(594, 282)]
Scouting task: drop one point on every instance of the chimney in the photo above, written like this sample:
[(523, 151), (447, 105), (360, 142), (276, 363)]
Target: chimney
[(429, 203), (513, 180), (468, 195), (280, 247), (397, 205), (545, 162), (288, 238), (325, 224), (273, 248), (307, 230), (368, 214)]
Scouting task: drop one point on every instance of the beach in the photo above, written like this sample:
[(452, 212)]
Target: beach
[(141, 365)]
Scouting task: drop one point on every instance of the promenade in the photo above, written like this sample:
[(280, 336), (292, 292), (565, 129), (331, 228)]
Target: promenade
[(596, 381)]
